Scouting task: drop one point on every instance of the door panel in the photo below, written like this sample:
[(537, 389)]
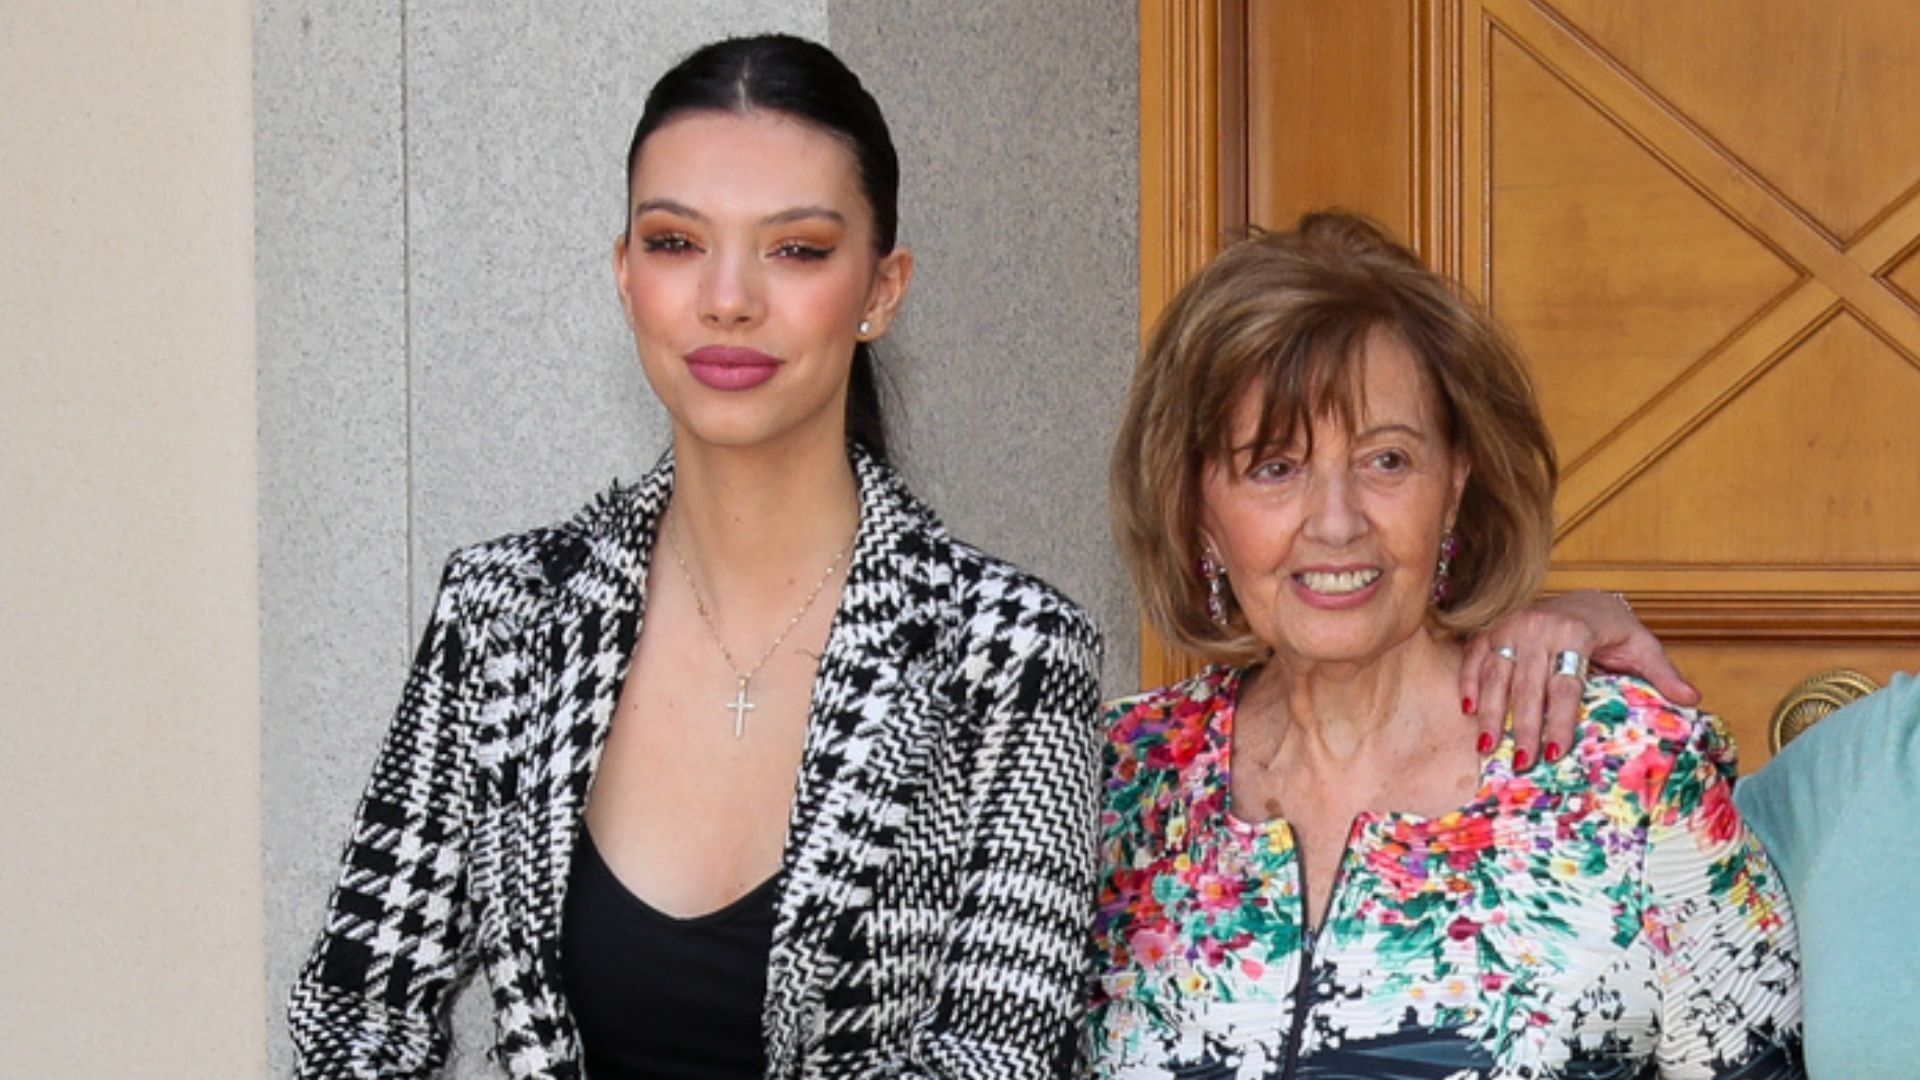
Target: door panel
[(1701, 222), (1904, 277), (1605, 263), (1772, 478), (1815, 100), (1323, 138)]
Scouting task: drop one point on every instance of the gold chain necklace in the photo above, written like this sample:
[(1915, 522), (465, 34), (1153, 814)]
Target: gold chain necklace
[(741, 705)]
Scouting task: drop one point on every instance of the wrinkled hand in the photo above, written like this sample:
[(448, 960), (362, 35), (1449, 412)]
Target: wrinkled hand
[(1598, 626)]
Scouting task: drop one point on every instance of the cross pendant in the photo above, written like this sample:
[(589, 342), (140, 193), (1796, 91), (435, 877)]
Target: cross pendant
[(741, 707)]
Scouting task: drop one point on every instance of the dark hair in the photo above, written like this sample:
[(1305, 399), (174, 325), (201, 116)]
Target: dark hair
[(804, 80)]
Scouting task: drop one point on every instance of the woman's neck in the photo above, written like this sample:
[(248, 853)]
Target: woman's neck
[(1331, 715), (753, 522)]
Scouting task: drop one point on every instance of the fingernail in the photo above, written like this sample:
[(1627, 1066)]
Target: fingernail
[(1553, 752), (1486, 742), (1519, 760), (1466, 704)]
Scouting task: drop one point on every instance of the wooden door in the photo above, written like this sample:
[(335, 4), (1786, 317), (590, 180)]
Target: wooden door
[(1701, 220)]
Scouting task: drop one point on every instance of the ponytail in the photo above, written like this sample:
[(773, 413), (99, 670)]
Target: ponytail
[(866, 416)]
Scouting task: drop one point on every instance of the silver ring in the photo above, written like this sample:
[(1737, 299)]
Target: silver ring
[(1507, 653), (1570, 662)]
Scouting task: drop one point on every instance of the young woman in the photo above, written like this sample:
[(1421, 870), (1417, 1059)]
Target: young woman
[(750, 769)]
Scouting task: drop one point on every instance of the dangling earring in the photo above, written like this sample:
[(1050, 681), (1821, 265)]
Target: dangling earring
[(1216, 576), (1443, 573), (866, 327)]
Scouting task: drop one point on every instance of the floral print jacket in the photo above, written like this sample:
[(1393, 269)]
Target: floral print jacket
[(1605, 916)]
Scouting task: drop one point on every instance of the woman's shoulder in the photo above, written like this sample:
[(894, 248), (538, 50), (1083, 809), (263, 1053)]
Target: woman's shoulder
[(1646, 749), (598, 547), (1159, 763), (1623, 713), (1006, 635), (1170, 726), (979, 592), (1203, 691), (994, 589)]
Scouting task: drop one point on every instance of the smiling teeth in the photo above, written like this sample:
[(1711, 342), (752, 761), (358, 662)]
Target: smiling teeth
[(1351, 581)]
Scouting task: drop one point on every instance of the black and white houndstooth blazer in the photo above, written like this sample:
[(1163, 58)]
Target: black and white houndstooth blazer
[(936, 887)]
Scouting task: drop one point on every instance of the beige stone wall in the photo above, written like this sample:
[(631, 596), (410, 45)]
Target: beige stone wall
[(130, 883)]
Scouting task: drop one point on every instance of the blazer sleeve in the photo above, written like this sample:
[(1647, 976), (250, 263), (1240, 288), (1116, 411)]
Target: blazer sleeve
[(371, 999), (1013, 975), (1728, 955)]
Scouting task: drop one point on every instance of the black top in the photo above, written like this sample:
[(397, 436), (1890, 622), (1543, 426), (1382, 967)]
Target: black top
[(658, 997)]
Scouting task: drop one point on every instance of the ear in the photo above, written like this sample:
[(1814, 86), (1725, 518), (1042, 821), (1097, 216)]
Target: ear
[(891, 277), (1208, 549), (620, 276), (1462, 469)]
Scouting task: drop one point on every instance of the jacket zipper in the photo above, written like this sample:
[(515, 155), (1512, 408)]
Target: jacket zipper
[(1309, 938), (1300, 992)]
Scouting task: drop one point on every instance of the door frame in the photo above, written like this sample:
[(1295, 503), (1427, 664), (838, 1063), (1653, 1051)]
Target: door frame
[(1192, 173)]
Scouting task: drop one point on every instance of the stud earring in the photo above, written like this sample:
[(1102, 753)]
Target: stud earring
[(1216, 577), (1443, 572), (866, 327)]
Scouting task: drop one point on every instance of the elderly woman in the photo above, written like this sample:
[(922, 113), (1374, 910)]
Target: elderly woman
[(1307, 868)]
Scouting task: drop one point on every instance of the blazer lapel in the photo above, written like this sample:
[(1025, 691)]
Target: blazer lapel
[(871, 697), (875, 692), (576, 650)]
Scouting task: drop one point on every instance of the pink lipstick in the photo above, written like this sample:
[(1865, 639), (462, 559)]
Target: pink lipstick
[(724, 367)]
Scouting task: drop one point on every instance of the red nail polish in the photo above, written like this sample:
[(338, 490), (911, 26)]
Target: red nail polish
[(1519, 760), (1553, 752), (1486, 742), (1466, 704)]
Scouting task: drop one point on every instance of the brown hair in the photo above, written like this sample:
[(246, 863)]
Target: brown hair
[(1289, 314)]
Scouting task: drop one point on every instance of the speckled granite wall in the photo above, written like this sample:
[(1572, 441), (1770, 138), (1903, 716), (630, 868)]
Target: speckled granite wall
[(331, 304), (442, 359)]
